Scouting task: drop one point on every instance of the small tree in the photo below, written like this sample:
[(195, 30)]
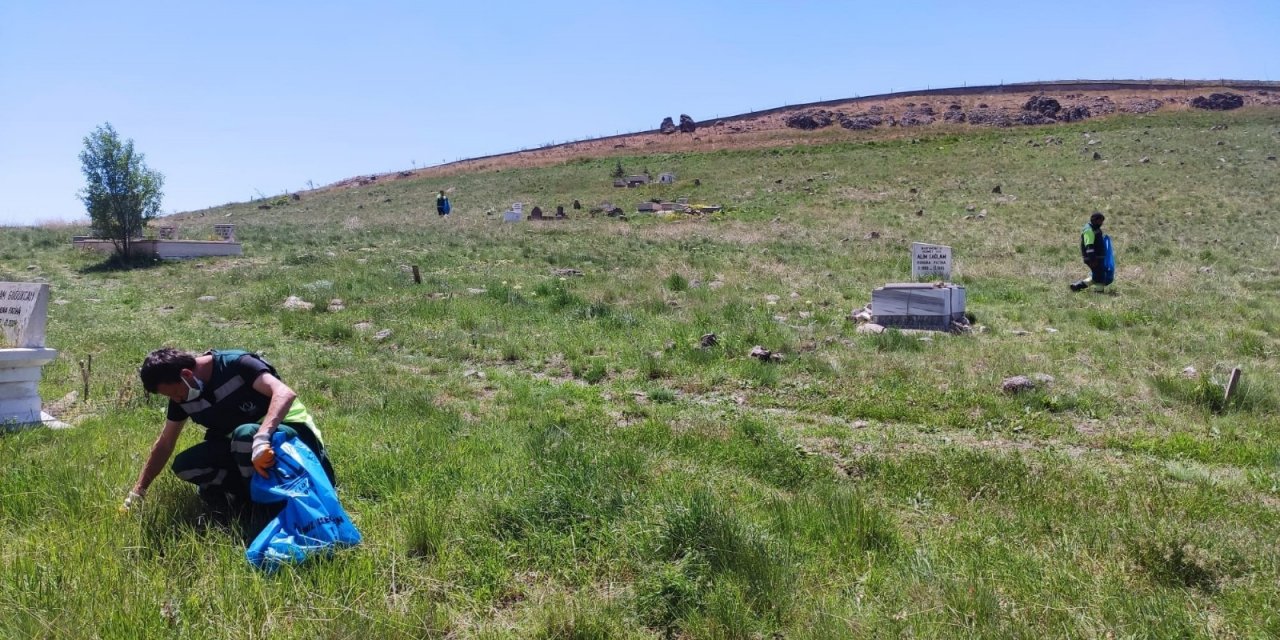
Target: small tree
[(121, 194), (618, 171)]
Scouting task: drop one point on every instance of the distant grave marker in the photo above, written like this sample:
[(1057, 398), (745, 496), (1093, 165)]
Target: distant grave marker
[(225, 232), (511, 216), (167, 233), (930, 260)]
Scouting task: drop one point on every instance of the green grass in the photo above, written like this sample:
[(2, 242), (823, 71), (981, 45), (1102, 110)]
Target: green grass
[(530, 454)]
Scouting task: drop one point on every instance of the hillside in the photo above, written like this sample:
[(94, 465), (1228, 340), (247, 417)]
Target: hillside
[(908, 113), (537, 441)]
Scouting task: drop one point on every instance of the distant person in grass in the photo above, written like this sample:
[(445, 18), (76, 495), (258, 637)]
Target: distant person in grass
[(1095, 250), (442, 204), (240, 401)]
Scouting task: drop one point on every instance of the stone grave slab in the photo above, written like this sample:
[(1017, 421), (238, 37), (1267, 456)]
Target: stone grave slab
[(918, 305)]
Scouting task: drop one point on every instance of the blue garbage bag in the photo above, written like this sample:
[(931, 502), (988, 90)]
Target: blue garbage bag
[(1108, 274), (311, 522)]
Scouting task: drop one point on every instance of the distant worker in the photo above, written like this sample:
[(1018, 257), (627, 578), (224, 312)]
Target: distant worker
[(239, 400), (1095, 250), (442, 204)]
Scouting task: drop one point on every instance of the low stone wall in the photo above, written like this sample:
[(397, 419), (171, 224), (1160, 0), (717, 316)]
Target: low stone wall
[(165, 249)]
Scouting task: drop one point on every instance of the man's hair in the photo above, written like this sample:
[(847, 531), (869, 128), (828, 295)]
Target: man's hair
[(163, 366), (1097, 215)]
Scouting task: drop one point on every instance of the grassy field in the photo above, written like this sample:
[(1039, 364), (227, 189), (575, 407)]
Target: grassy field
[(534, 455)]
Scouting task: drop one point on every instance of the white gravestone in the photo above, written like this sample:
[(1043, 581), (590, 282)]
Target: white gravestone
[(23, 312), (511, 216), (930, 260), (24, 308), (518, 207)]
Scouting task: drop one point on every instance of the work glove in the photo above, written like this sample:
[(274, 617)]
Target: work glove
[(133, 499), (263, 456)]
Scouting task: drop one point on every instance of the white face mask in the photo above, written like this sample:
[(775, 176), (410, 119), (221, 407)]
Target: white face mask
[(193, 392)]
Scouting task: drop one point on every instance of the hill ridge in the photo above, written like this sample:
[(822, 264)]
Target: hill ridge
[(1257, 92)]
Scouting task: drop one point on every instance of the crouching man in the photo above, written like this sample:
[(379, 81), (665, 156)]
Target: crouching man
[(240, 401)]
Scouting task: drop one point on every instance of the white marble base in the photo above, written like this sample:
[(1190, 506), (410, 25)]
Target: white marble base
[(19, 385)]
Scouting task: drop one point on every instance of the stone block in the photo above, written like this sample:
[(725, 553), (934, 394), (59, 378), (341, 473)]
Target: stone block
[(910, 305)]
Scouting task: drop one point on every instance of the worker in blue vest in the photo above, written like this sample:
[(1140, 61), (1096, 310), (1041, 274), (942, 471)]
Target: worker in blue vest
[(1095, 250)]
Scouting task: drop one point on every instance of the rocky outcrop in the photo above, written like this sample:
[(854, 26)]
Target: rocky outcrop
[(916, 117), (1102, 106), (1047, 107), (861, 121), (1218, 102), (1146, 105), (810, 120), (1074, 114), (989, 117), (1032, 118), (668, 126), (687, 125)]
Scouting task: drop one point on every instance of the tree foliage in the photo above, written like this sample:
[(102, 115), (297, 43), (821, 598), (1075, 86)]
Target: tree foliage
[(618, 171), (121, 193)]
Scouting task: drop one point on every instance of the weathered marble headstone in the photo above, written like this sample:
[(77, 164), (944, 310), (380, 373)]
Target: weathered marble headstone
[(518, 207), (24, 308), (23, 313), (918, 305), (225, 232), (930, 260)]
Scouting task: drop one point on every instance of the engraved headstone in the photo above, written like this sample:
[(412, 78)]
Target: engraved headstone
[(225, 232), (23, 312), (930, 261), (24, 308), (168, 233)]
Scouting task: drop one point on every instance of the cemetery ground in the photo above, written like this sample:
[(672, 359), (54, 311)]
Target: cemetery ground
[(535, 453)]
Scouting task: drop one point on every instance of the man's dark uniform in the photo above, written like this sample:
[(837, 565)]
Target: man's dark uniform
[(231, 411)]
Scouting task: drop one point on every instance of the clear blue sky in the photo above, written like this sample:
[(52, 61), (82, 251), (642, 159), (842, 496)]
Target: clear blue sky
[(231, 99)]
